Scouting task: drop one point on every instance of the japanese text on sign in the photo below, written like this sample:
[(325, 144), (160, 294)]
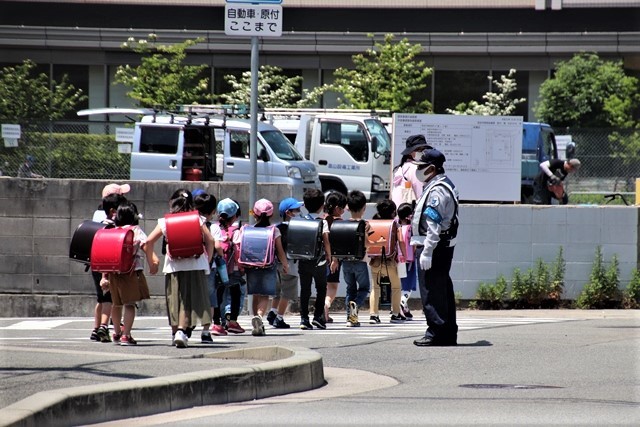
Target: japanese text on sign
[(253, 20)]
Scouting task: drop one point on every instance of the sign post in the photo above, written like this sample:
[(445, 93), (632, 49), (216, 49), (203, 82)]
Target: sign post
[(258, 18)]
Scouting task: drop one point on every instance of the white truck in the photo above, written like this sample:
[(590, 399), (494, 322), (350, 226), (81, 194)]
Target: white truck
[(211, 147), (350, 148)]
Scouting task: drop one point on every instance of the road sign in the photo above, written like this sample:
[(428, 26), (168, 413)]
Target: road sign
[(253, 20), (256, 1)]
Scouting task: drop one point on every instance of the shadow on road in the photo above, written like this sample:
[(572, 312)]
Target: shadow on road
[(481, 343)]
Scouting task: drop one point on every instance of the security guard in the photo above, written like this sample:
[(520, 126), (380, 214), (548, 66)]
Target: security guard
[(435, 226)]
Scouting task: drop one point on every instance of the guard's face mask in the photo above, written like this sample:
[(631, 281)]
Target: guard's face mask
[(425, 174)]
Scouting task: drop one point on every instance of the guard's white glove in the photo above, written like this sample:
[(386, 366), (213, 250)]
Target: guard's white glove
[(425, 261)]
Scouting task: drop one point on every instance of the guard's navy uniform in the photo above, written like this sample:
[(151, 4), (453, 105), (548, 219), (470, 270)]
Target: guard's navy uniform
[(435, 227)]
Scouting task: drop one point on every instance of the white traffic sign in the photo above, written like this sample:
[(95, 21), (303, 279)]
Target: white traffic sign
[(124, 135), (10, 131), (256, 1), (253, 20)]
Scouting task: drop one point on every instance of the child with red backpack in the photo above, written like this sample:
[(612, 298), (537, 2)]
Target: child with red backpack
[(223, 233), (185, 269), (257, 252)]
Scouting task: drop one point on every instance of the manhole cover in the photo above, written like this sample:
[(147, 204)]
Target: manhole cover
[(514, 386)]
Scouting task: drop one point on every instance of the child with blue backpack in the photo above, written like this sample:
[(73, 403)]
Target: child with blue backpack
[(259, 262)]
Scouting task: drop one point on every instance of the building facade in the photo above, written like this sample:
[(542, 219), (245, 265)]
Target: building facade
[(464, 41)]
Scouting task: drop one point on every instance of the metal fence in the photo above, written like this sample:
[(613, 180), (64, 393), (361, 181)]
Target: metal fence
[(88, 150), (610, 162), (65, 149)]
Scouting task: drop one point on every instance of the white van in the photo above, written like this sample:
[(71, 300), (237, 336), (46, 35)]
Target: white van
[(183, 147), (173, 148)]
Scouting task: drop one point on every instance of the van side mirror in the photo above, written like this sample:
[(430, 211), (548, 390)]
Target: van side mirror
[(262, 155)]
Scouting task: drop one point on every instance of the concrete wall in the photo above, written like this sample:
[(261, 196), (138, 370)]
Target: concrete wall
[(496, 239), (38, 217)]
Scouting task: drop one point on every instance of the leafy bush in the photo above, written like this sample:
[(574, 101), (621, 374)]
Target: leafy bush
[(602, 290), (532, 288), (490, 295), (631, 295), (556, 286)]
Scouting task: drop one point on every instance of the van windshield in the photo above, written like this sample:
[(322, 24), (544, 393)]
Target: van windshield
[(377, 129), (281, 145)]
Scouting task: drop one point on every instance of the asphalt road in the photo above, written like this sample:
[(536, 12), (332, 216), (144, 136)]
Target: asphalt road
[(556, 367)]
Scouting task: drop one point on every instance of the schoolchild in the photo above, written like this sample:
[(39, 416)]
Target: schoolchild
[(111, 198), (356, 273), (386, 209), (315, 270), (205, 204), (408, 283), (261, 282), (186, 289), (129, 288), (223, 232), (237, 223), (287, 284), (334, 207)]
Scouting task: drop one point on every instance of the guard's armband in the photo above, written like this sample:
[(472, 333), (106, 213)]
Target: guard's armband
[(433, 214)]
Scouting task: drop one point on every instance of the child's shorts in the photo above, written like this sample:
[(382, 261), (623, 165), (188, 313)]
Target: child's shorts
[(128, 288), (101, 296), (334, 277), (287, 285), (261, 281)]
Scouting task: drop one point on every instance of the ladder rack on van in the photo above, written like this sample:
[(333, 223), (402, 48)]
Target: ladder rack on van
[(297, 112), (223, 110)]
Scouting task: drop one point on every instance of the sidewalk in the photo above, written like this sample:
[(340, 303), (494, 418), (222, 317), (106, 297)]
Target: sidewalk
[(86, 389)]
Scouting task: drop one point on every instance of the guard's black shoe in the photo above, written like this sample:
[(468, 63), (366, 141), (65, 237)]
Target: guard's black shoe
[(424, 342), (430, 342)]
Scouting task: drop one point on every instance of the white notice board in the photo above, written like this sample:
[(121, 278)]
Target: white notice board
[(484, 153)]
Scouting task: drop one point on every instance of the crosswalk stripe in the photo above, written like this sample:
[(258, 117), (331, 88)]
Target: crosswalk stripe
[(365, 331)]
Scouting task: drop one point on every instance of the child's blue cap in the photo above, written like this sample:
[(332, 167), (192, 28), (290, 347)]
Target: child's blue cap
[(288, 204)]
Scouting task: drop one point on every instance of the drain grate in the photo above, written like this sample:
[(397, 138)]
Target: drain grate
[(512, 386)]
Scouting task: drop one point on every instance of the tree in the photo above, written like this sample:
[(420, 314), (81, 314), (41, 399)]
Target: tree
[(25, 95), (499, 103), (587, 91), (162, 78), (275, 90), (386, 77)]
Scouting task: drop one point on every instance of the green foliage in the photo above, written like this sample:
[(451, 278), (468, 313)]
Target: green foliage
[(534, 287), (556, 285), (275, 90), (596, 199), (24, 95), (64, 153), (498, 103), (541, 285), (602, 288), (588, 92), (162, 78), (385, 77), (631, 295), (492, 295)]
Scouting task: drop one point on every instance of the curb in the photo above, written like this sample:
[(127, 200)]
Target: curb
[(284, 370)]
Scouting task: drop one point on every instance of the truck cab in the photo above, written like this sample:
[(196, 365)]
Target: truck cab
[(350, 148), (538, 145), (350, 152)]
